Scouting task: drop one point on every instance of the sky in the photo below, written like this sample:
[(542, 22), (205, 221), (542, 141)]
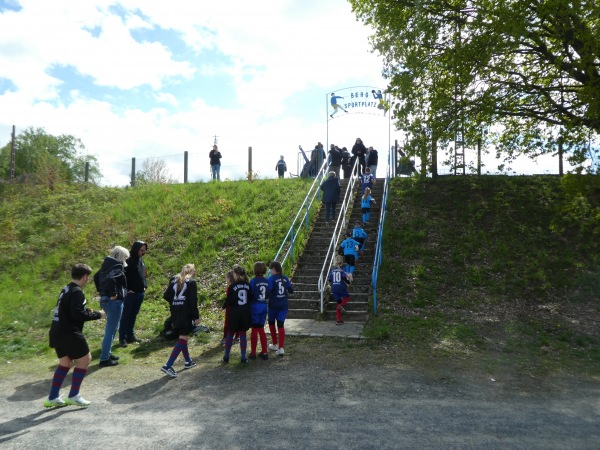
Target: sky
[(153, 79), (150, 80)]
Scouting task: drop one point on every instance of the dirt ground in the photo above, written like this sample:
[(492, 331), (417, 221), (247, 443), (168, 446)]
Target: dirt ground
[(326, 393)]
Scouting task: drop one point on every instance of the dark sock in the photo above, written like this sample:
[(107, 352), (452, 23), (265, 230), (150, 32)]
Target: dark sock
[(78, 375), (59, 377)]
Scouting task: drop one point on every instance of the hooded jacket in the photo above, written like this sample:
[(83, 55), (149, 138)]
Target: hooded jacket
[(331, 189), (136, 269), (110, 280)]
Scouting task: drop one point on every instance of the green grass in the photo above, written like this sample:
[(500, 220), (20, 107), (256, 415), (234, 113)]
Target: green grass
[(487, 274), (213, 225), (504, 270)]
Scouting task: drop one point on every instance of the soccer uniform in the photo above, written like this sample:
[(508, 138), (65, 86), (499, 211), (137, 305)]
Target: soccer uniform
[(360, 236), (366, 180), (238, 304), (349, 247), (365, 204), (258, 303), (66, 331), (184, 311), (259, 287), (279, 286), (339, 289), (184, 305)]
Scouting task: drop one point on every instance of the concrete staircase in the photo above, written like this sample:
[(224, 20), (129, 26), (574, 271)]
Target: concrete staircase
[(305, 302)]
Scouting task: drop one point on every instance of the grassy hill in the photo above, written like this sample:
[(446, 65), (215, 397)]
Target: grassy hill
[(213, 225), (491, 271), (504, 271)]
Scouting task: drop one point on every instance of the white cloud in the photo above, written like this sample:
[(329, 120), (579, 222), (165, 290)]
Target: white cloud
[(269, 52)]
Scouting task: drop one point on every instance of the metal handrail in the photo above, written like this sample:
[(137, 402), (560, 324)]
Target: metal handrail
[(340, 224), (302, 218), (378, 248)]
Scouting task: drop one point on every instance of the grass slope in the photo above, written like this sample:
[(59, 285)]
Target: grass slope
[(214, 225), (494, 271), (484, 274)]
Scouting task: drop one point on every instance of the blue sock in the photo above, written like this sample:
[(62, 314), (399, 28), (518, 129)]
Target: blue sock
[(243, 344), (76, 380), (228, 344)]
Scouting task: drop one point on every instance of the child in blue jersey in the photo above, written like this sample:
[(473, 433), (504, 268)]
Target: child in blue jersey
[(367, 180), (340, 281), (182, 295), (279, 286), (259, 286), (365, 205), (349, 248), (238, 312), (359, 235)]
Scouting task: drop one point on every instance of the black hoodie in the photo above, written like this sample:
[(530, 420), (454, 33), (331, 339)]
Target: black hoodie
[(110, 280), (136, 269)]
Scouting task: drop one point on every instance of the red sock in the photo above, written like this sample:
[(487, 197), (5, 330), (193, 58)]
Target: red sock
[(253, 341), (273, 331), (263, 340), (281, 337)]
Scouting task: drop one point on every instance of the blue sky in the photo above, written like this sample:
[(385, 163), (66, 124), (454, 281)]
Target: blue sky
[(149, 79)]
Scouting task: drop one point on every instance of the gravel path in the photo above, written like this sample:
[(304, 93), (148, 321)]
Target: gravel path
[(299, 403)]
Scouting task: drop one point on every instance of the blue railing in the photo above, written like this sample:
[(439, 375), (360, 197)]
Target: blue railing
[(301, 223), (391, 169)]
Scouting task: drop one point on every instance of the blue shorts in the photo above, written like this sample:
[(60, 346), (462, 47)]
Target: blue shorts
[(278, 314), (259, 313), (339, 295)]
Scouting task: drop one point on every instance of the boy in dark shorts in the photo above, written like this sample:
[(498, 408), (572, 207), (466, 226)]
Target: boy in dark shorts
[(66, 337)]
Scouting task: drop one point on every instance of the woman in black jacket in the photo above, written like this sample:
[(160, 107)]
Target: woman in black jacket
[(331, 194), (358, 151), (136, 288)]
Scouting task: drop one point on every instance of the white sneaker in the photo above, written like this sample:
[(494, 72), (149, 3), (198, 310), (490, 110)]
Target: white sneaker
[(78, 400), (54, 403), (280, 352), (273, 347)]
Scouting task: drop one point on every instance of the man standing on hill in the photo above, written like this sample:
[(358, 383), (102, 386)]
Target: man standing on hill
[(215, 163), (135, 271), (281, 167)]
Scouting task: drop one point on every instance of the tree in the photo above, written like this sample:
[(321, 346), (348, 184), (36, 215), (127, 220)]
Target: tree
[(154, 171), (527, 71), (48, 159)]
